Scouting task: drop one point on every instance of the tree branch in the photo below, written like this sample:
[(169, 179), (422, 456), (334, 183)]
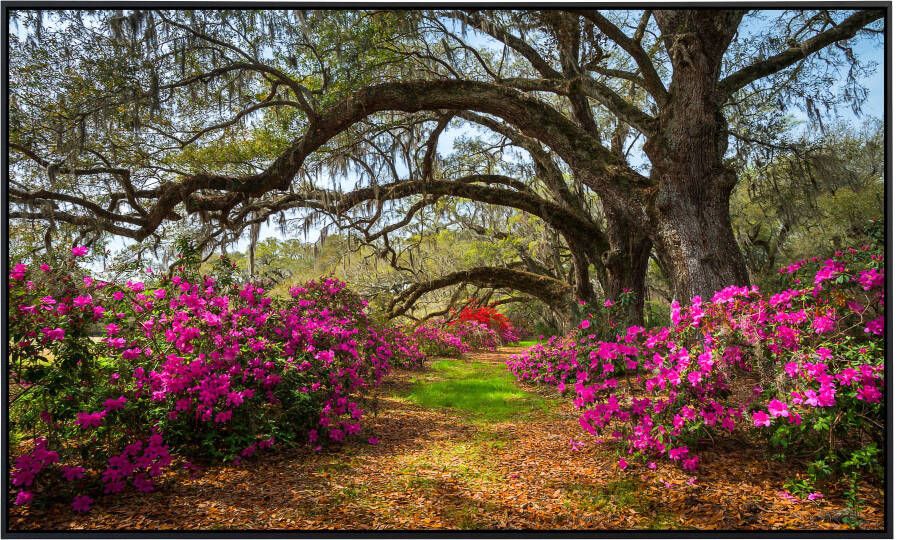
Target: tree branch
[(553, 292), (846, 30), (653, 84)]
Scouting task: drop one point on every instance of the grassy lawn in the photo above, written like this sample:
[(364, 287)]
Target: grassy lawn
[(485, 392), (527, 343)]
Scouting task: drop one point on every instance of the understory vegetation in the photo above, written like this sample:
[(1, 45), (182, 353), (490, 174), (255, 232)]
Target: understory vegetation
[(188, 369), (800, 369)]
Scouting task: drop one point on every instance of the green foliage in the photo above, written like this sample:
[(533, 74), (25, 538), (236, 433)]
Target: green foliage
[(813, 199)]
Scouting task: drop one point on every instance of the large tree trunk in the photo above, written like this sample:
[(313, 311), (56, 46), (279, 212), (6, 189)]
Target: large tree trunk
[(694, 238), (692, 230), (581, 278), (626, 263)]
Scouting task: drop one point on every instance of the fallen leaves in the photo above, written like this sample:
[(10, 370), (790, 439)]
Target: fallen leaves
[(434, 469)]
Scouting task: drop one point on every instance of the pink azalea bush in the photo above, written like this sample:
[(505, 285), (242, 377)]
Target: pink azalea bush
[(476, 334), (180, 369), (436, 337), (802, 369), (401, 347)]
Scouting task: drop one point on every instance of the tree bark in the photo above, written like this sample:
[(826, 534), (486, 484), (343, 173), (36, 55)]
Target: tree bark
[(626, 263), (691, 226)]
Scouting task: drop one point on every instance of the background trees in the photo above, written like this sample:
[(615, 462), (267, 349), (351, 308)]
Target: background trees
[(622, 133)]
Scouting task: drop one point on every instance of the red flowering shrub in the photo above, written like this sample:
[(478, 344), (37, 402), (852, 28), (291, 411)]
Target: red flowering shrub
[(437, 337), (193, 369), (801, 369), (491, 318)]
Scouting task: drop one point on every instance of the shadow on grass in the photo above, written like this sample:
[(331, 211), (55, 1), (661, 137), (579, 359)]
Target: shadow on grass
[(485, 392)]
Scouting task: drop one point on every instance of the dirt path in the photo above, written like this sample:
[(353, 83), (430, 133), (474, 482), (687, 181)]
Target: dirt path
[(451, 467)]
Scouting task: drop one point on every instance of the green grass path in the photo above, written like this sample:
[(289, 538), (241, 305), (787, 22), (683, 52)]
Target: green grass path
[(483, 391)]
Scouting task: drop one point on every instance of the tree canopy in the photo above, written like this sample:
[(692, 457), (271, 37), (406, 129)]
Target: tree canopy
[(615, 138)]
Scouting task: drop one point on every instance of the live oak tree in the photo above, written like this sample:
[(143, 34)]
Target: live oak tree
[(226, 118)]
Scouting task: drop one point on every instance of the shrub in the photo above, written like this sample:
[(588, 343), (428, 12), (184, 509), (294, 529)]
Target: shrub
[(490, 318), (474, 328), (434, 338), (801, 369), (476, 334), (193, 369)]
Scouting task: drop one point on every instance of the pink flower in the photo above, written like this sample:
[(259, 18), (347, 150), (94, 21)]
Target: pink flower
[(18, 272), (847, 376), (787, 496), (869, 394), (814, 496), (584, 324), (72, 473), (876, 326), (79, 251), (143, 484), (136, 286), (56, 334), (89, 420), (791, 369), (870, 279), (622, 463), (373, 440), (811, 398), (82, 503), (828, 271), (115, 404), (760, 418), (24, 497), (776, 409), (823, 324)]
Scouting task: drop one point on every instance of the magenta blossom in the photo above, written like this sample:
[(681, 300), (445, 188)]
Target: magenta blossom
[(72, 473), (82, 503), (776, 409), (24, 497), (760, 418)]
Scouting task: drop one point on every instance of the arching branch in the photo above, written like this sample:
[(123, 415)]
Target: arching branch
[(553, 292), (846, 30)]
